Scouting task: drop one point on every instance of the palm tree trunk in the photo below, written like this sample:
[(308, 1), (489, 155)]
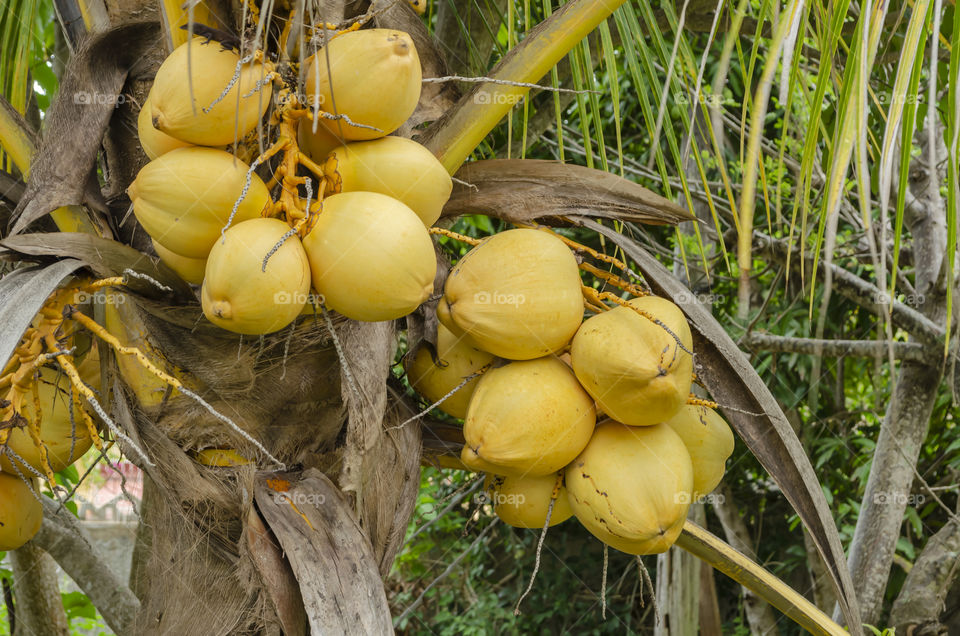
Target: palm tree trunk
[(905, 425), (36, 589)]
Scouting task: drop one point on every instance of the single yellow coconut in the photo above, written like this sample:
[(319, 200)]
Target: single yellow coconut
[(517, 294), (709, 441), (632, 366), (420, 6), (184, 198), (631, 486), (457, 359), (373, 77), (189, 269), (239, 295), (154, 142), (371, 257), (527, 418), (316, 145), (395, 166), (20, 512), (212, 118), (522, 502), (57, 433)]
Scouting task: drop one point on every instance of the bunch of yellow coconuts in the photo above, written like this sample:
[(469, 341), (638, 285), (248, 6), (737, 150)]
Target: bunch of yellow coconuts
[(365, 251), (62, 440), (512, 315)]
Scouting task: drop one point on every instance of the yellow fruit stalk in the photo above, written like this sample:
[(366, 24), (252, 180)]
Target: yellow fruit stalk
[(57, 434), (631, 486), (212, 118), (633, 367), (709, 441), (527, 418), (154, 142), (458, 359), (373, 77), (371, 257), (522, 502), (395, 166), (20, 512), (238, 295), (189, 269), (517, 294), (184, 198)]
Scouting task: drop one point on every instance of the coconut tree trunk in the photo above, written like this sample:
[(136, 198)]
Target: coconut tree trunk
[(36, 589), (922, 599), (907, 419), (760, 615), (678, 587)]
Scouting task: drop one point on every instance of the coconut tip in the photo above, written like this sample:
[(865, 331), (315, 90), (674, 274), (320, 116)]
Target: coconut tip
[(222, 309)]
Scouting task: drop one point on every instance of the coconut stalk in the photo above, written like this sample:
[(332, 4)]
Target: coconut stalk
[(455, 137)]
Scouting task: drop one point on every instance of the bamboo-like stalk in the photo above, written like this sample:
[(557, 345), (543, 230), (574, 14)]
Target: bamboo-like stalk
[(738, 567), (480, 110)]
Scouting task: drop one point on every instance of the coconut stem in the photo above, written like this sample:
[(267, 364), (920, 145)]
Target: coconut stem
[(457, 237)]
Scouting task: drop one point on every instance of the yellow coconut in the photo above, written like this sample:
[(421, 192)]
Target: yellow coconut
[(527, 418), (457, 358), (396, 166), (154, 142), (517, 294), (420, 6), (373, 78), (371, 257), (184, 198), (709, 441), (632, 366), (316, 145), (189, 269), (631, 486), (212, 69), (522, 502), (239, 295), (20, 512), (57, 434)]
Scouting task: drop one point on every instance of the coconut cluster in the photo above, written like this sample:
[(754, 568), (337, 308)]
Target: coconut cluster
[(62, 440), (531, 379), (366, 251)]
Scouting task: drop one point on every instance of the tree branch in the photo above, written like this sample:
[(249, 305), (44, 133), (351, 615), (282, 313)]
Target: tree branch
[(833, 348), (63, 538), (857, 290)]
